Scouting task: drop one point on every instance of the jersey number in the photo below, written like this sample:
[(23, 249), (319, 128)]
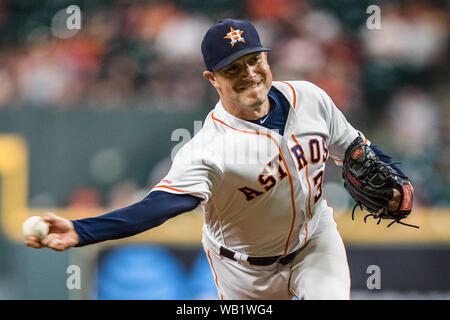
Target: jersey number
[(318, 183)]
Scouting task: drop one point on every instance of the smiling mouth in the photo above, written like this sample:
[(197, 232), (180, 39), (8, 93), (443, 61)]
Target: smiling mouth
[(248, 86)]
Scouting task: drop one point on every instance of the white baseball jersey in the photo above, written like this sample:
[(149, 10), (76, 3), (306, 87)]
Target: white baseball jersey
[(262, 192)]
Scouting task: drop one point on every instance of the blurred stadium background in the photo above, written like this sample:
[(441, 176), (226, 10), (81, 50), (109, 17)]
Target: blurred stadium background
[(87, 116)]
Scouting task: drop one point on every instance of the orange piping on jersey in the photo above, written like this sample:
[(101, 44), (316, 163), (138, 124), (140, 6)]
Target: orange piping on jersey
[(170, 188), (309, 195), (215, 275), (287, 168), (244, 131), (306, 236), (307, 180), (293, 92)]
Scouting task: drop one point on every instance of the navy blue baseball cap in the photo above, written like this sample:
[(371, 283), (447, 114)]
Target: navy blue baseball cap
[(229, 40)]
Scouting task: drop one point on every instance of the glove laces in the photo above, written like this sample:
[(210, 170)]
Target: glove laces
[(379, 217)]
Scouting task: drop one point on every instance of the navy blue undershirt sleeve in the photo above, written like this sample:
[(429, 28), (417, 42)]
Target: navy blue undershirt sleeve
[(148, 213), (386, 159)]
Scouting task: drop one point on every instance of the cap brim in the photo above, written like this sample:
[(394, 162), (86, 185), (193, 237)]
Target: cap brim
[(237, 55)]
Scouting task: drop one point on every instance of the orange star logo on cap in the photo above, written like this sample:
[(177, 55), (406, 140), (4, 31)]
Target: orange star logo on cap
[(235, 36)]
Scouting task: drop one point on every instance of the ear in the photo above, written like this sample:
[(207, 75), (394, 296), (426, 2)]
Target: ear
[(210, 76)]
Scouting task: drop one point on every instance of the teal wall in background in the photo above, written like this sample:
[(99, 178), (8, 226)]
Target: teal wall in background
[(62, 144), (27, 273)]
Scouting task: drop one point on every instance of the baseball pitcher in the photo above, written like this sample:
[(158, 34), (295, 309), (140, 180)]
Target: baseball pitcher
[(256, 169)]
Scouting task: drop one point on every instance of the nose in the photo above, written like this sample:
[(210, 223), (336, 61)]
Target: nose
[(249, 72)]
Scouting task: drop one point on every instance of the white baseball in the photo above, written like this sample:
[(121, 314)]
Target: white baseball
[(35, 227)]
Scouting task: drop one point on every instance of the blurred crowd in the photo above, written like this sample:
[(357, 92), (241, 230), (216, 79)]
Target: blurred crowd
[(392, 82)]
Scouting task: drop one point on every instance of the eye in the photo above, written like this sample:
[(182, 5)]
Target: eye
[(255, 59), (231, 69)]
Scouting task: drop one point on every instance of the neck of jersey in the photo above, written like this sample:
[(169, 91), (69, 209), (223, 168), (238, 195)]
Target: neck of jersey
[(276, 118)]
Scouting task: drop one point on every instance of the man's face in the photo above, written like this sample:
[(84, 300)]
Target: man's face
[(245, 82)]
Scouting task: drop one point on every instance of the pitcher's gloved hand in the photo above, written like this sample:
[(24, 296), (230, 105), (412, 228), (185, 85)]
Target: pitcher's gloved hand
[(375, 185)]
